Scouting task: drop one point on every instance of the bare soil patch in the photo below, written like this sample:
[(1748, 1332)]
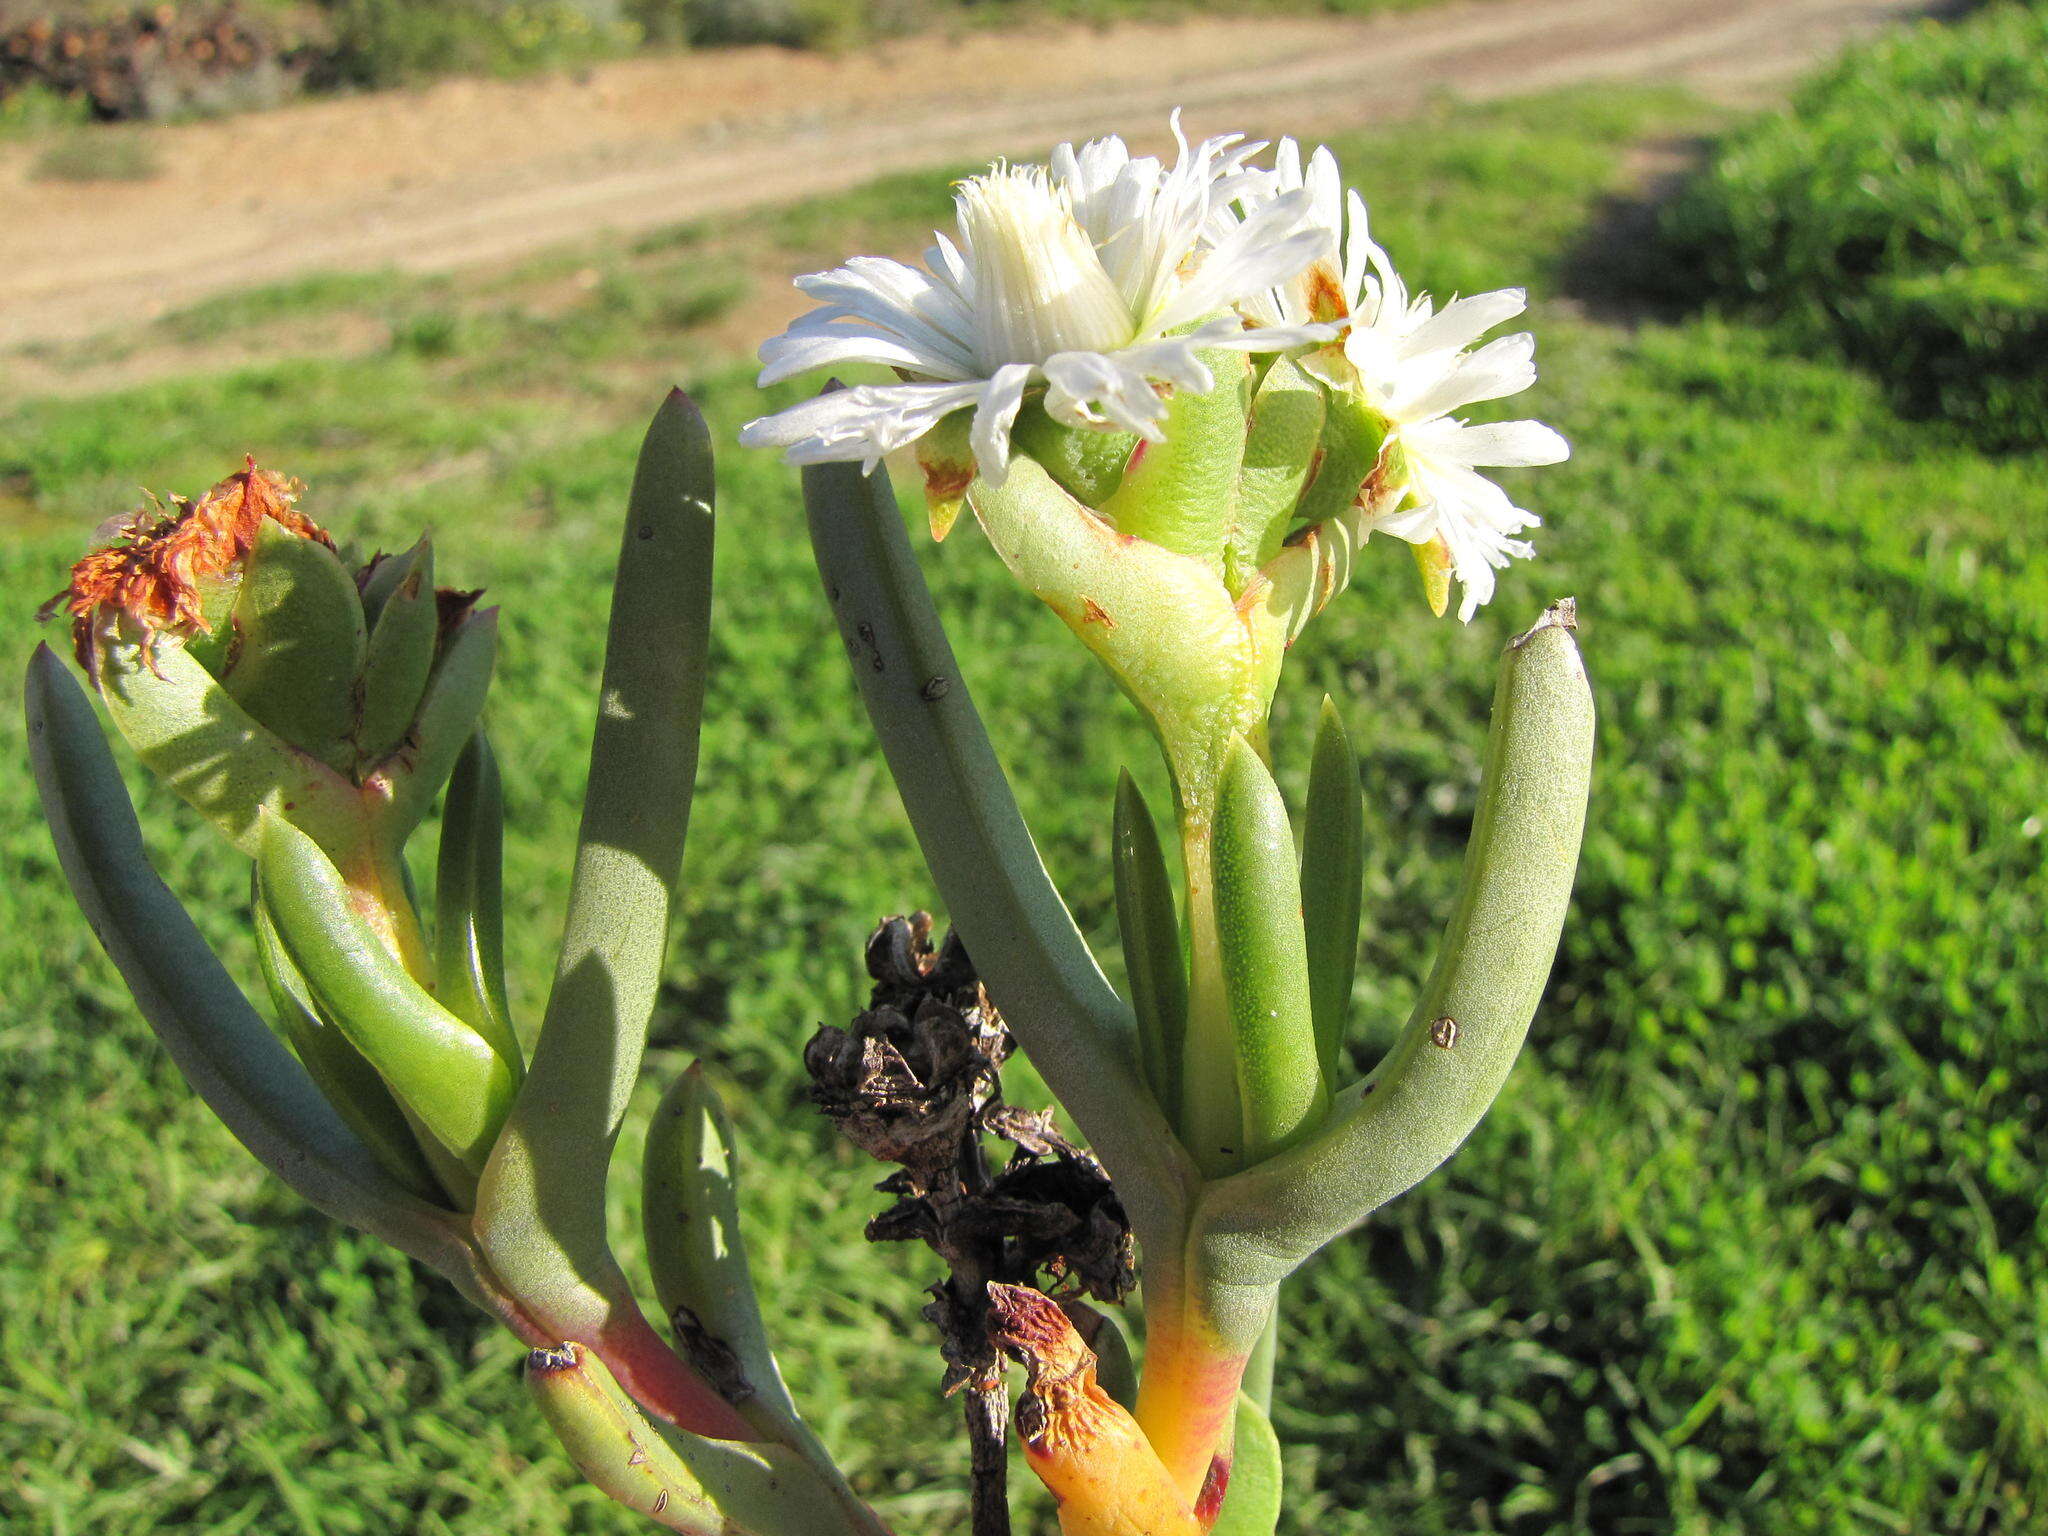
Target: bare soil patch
[(471, 171)]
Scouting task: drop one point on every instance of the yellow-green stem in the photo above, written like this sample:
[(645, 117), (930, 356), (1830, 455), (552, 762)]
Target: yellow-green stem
[(1212, 1119), (1187, 1398)]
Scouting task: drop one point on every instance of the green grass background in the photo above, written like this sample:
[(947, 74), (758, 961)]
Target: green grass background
[(1753, 1241)]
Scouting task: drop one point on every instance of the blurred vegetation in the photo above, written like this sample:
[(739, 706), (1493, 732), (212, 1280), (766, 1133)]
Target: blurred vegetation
[(1754, 1241), (124, 59), (1899, 206)]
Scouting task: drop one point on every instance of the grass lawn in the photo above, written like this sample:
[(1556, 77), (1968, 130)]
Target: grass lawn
[(1753, 1241)]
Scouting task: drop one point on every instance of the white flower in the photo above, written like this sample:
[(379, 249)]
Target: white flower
[(1410, 361), (1091, 276)]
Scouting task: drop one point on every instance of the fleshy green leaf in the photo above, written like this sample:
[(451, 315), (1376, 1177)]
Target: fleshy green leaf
[(681, 1481), (1152, 942), (469, 916), (1384, 1135), (1251, 1504), (1080, 1035), (1332, 884), (447, 718), (218, 760), (440, 1068), (695, 1250), (299, 644), (1265, 960), (345, 1078), (226, 1052), (540, 1207), (401, 653)]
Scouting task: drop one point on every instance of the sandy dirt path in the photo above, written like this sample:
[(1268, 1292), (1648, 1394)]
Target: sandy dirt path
[(470, 171)]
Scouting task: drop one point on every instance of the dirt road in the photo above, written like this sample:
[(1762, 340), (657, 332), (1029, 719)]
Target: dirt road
[(471, 171)]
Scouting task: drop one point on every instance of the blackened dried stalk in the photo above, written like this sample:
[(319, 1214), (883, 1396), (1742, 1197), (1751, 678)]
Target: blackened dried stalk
[(915, 1081)]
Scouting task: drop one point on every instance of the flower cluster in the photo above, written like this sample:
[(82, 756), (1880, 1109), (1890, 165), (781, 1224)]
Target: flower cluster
[(1093, 286)]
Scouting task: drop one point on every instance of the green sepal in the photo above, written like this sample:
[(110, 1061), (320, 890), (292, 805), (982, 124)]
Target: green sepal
[(1384, 1135), (1332, 884), (540, 1213), (226, 1052), (1251, 1503), (684, 1482), (1279, 453), (469, 915), (1162, 623), (1181, 493), (187, 730), (401, 654), (1153, 954), (946, 456), (439, 1068), (446, 719), (1353, 435), (1264, 958), (1086, 464), (1080, 1034), (343, 1075), (299, 645)]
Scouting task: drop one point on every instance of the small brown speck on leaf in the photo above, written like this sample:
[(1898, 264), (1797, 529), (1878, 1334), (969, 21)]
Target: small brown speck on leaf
[(1444, 1032)]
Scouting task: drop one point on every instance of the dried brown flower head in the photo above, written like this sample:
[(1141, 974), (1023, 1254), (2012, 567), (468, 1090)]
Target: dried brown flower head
[(153, 570)]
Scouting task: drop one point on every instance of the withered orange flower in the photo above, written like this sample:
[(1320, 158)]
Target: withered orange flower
[(153, 570), (1087, 1450)]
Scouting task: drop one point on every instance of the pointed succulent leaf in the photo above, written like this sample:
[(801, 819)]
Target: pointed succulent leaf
[(446, 719), (1279, 453), (540, 1207), (469, 915), (401, 653), (382, 576), (440, 1068), (227, 1053), (1038, 968), (343, 1075), (1265, 959), (188, 731), (299, 644), (1251, 1503), (1332, 884), (695, 1249), (1153, 956), (1181, 493), (1383, 1135)]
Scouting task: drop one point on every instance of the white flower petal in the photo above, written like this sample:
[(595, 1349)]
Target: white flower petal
[(1500, 368), (993, 417), (1464, 321), (1114, 393), (795, 352), (863, 423), (1267, 249), (1499, 445)]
